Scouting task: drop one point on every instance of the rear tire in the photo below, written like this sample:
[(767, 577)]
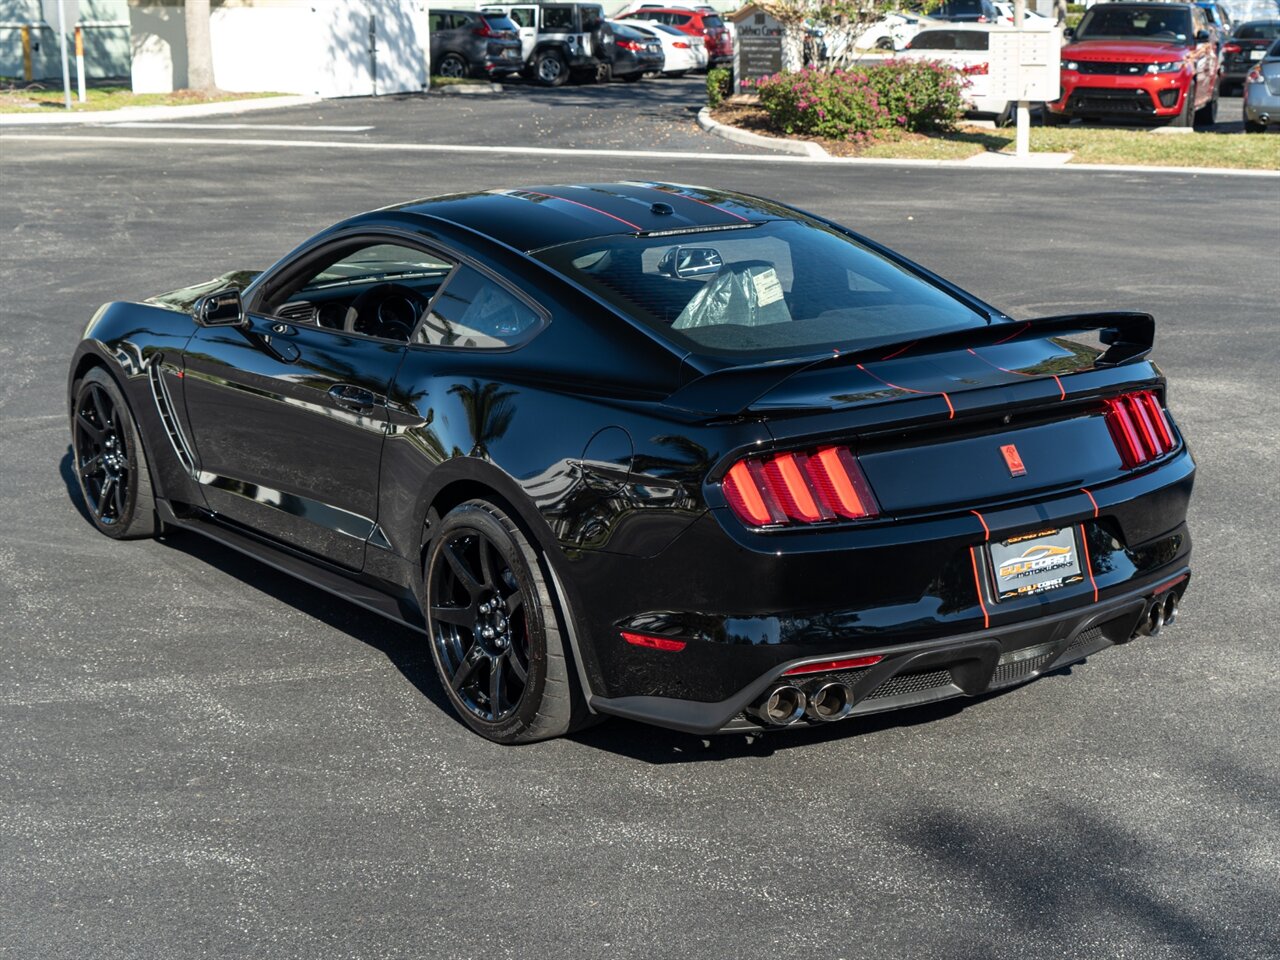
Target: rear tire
[(1207, 115), (109, 461), (494, 629), (550, 69), (453, 67)]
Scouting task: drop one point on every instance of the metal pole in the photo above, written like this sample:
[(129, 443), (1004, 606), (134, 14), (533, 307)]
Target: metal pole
[(1023, 139), (80, 61), (62, 40)]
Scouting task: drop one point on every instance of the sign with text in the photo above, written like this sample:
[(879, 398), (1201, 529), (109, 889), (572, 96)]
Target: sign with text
[(1025, 64), (757, 49)]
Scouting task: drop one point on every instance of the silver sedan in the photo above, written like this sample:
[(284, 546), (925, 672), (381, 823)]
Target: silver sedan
[(1262, 93)]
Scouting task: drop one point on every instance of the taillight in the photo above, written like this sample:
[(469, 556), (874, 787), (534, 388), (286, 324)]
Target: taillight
[(977, 69), (630, 45), (679, 45), (1232, 48), (1139, 428), (809, 487), (483, 30)]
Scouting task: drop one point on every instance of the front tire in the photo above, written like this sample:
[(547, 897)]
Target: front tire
[(1186, 116), (495, 631), (109, 461)]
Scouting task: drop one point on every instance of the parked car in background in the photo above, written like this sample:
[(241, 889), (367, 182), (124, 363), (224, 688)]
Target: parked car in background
[(634, 53), (893, 31), (525, 17), (472, 43), (570, 40), (965, 11), (965, 47), (1004, 16), (708, 26), (1246, 46), (1262, 93), (1139, 61), (681, 52)]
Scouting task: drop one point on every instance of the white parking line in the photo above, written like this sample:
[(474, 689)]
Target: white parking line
[(176, 125), (624, 154)]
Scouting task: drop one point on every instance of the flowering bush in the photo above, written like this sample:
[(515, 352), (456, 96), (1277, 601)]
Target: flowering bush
[(850, 104)]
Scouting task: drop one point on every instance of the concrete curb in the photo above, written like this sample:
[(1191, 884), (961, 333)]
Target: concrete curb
[(803, 148), (989, 159), (471, 89), (133, 114)]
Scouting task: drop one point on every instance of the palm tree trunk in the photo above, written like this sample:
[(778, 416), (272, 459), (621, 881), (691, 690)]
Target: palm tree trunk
[(199, 48)]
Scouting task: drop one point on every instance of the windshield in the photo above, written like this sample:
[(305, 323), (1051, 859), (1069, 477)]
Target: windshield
[(1158, 22), (776, 289)]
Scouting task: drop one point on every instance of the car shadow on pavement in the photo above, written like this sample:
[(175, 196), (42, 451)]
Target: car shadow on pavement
[(67, 470)]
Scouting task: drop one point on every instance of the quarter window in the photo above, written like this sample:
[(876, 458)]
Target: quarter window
[(474, 311)]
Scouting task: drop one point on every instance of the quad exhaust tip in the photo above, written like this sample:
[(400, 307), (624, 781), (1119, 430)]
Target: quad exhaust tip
[(782, 706), (828, 702), (1170, 609), (1153, 619)]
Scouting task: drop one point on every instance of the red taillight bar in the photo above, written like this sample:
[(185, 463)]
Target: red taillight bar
[(653, 643), (799, 487), (1139, 428), (829, 666)]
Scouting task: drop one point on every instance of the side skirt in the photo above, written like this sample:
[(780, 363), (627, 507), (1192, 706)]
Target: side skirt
[(397, 605)]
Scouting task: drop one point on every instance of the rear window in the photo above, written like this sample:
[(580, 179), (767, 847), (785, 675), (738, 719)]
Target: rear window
[(629, 33), (499, 21), (711, 21), (774, 289), (1155, 22), (1259, 30)]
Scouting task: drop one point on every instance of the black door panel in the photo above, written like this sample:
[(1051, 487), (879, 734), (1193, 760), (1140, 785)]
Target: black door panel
[(288, 422)]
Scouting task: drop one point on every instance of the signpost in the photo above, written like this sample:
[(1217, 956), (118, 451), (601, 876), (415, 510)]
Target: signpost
[(1024, 67), (757, 50)]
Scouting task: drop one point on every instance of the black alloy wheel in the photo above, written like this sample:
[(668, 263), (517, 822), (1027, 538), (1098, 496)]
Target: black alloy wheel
[(453, 67), (494, 629), (109, 462), (1186, 116)]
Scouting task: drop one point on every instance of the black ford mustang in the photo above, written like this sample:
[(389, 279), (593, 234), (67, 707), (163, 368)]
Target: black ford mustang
[(670, 453)]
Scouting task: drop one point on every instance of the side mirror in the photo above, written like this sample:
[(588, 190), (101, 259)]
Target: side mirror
[(1202, 36), (689, 263), (1069, 32), (221, 309)]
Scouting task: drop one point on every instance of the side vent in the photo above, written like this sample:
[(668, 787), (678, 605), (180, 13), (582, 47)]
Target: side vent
[(298, 311), (169, 417)]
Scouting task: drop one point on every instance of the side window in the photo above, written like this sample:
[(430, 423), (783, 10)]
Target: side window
[(679, 19), (436, 22), (377, 289), (522, 16), (557, 19), (473, 311)]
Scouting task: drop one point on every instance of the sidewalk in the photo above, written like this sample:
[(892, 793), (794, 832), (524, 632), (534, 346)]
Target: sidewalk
[(43, 116)]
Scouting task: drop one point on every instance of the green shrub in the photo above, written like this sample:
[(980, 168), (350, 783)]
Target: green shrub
[(850, 104), (719, 85)]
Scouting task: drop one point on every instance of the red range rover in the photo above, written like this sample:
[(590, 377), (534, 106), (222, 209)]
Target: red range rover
[(1152, 61)]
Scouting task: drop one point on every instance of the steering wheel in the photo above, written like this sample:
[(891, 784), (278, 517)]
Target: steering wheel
[(371, 314)]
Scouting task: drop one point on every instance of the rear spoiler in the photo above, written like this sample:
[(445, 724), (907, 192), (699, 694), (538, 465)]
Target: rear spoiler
[(1128, 336)]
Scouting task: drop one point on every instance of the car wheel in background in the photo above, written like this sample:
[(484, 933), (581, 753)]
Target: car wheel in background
[(549, 69), (1251, 126), (1207, 115), (1006, 116), (453, 67), (109, 461), (494, 629), (884, 43)]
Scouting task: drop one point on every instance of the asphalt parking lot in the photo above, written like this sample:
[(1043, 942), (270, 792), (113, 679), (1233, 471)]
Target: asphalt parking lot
[(200, 758)]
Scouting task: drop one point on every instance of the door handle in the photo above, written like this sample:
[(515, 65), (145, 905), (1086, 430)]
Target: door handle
[(354, 398)]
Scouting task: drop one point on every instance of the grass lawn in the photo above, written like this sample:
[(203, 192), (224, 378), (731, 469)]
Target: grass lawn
[(24, 98), (1089, 144)]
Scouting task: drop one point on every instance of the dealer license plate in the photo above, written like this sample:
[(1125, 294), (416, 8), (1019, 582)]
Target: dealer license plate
[(1035, 562)]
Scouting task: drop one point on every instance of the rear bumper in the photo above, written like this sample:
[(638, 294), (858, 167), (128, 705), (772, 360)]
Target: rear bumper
[(1260, 105), (910, 675)]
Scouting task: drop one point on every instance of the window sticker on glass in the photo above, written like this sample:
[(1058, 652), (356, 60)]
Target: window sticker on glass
[(768, 287)]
